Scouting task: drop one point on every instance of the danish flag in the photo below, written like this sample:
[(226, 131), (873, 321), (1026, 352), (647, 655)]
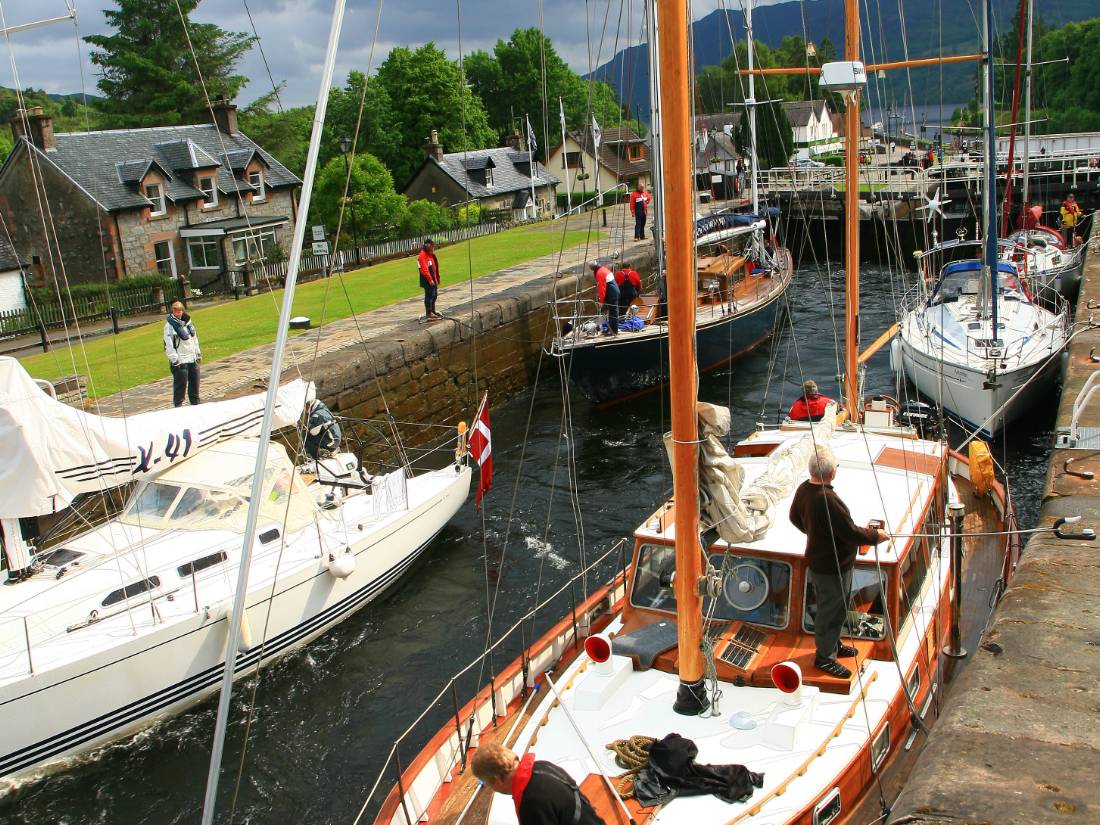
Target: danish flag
[(481, 447)]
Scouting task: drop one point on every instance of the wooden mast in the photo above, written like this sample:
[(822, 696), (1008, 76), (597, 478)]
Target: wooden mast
[(680, 261), (852, 134)]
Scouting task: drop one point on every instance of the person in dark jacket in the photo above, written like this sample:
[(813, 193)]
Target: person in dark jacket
[(542, 792), (428, 264), (832, 541)]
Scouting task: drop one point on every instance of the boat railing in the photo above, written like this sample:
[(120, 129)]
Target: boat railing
[(1071, 438), (576, 313), (446, 752)]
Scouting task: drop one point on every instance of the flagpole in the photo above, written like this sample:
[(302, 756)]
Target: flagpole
[(565, 161), (531, 165)]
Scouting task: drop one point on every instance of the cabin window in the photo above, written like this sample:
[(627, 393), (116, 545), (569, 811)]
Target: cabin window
[(880, 747), (827, 809), (754, 590), (153, 501), (912, 684), (131, 590), (866, 610), (198, 565), (59, 557), (914, 572)]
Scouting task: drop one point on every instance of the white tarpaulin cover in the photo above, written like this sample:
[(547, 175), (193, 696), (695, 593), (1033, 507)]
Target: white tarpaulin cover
[(746, 513), (53, 452)]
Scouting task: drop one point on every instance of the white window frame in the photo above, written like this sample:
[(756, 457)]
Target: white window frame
[(210, 198), (488, 175), (260, 195), (160, 206), (259, 245), (171, 259), (203, 241)]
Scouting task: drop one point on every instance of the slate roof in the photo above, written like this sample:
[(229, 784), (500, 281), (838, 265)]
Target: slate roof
[(103, 163), (799, 111), (611, 140), (8, 259), (719, 147), (507, 174)]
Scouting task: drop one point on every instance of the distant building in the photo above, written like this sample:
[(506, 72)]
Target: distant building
[(813, 128), (498, 179), (623, 161), (198, 200)]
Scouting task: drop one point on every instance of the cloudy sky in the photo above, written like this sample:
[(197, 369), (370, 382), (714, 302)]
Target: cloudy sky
[(293, 35)]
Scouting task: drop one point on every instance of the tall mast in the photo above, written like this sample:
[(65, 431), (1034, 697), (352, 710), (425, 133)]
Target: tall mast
[(852, 130), (678, 191), (653, 36), (989, 248), (281, 337), (750, 106), (1030, 11)]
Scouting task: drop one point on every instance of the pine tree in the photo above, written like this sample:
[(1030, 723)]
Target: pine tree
[(147, 71)]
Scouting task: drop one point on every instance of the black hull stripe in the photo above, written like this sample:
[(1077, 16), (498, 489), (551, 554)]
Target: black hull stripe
[(95, 728)]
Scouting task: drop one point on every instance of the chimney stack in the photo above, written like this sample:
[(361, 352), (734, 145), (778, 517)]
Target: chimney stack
[(35, 126), (433, 148), (225, 116), (515, 142)]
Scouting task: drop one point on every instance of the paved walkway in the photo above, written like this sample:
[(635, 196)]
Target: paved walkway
[(248, 371)]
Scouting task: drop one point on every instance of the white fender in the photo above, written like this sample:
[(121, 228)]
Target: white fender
[(895, 355), (342, 565)]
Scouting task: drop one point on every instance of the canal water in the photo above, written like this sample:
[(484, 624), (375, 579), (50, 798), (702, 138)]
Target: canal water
[(320, 724)]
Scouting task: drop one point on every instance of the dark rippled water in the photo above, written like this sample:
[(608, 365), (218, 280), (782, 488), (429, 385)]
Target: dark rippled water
[(324, 718)]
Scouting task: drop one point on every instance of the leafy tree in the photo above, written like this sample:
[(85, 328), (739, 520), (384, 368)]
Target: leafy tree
[(284, 134), (424, 217), (377, 134), (774, 138), (371, 197), (427, 91), (147, 72)]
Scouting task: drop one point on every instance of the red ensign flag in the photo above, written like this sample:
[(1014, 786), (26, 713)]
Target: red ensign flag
[(481, 447)]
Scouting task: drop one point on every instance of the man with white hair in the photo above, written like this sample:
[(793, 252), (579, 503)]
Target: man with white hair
[(832, 541)]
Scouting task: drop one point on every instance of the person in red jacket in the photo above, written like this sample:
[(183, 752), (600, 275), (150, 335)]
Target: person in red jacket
[(811, 406), (639, 203), (542, 792), (429, 277), (607, 291), (630, 287)]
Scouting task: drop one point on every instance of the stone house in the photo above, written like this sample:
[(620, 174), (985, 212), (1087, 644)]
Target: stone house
[(623, 160), (498, 179), (194, 201)]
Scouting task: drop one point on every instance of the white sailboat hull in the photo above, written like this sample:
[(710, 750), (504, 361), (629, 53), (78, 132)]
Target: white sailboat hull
[(152, 670), (963, 390)]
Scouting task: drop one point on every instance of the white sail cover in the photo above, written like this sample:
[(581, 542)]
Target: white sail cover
[(53, 452), (745, 513)]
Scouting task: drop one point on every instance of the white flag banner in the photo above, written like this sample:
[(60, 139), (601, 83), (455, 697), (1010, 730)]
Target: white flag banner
[(596, 133), (561, 112)]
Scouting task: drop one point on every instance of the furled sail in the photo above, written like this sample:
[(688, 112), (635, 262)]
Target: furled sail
[(53, 452), (745, 513)]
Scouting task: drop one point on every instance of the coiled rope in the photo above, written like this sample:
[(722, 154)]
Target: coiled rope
[(631, 755)]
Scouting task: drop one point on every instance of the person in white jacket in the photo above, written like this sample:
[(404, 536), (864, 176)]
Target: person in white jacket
[(181, 345)]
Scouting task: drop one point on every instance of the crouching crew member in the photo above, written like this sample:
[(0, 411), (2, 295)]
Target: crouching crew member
[(811, 406)]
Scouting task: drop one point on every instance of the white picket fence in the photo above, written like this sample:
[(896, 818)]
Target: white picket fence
[(346, 259)]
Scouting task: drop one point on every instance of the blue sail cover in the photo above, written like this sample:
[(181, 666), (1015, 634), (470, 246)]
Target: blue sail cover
[(710, 224)]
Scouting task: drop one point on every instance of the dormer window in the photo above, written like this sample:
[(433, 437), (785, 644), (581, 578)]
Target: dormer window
[(256, 180), (488, 175), (209, 191), (155, 193)]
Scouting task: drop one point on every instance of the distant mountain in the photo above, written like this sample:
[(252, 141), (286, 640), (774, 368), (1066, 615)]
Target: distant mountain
[(882, 41)]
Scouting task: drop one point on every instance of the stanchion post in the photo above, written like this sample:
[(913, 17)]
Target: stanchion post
[(955, 513)]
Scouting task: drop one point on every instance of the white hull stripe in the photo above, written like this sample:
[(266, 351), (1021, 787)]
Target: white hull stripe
[(40, 751)]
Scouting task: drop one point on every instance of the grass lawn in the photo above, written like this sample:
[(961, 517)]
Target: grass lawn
[(117, 362), (863, 187)]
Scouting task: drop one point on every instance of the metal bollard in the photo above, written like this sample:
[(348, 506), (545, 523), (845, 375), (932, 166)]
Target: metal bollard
[(955, 513)]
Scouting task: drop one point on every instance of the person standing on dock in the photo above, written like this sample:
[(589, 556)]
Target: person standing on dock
[(181, 345), (639, 202), (832, 541), (429, 278), (542, 792), (1071, 219)]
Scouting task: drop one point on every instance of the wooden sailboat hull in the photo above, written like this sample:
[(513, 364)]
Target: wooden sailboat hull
[(615, 368), (160, 668)]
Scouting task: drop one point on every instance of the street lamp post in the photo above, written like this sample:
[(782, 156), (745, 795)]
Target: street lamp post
[(345, 147)]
